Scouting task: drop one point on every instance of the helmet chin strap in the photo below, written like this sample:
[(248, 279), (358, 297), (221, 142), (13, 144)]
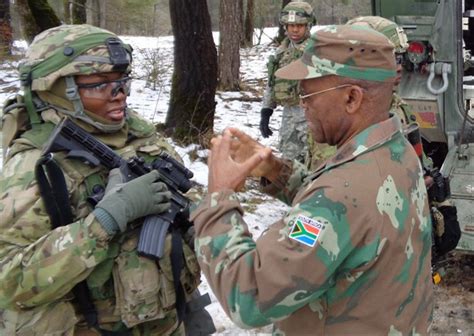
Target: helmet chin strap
[(72, 94)]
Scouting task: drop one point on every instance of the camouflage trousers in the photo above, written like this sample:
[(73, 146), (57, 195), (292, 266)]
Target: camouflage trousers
[(293, 142), (317, 153)]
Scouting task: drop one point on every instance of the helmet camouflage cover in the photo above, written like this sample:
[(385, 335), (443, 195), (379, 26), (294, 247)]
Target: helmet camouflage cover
[(390, 29), (298, 12), (72, 50)]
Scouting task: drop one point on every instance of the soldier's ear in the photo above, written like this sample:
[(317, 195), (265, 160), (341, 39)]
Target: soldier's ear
[(353, 96)]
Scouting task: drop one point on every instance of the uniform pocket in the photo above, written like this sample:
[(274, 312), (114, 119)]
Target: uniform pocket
[(137, 283)]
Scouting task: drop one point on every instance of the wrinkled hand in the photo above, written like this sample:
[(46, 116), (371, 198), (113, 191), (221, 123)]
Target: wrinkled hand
[(230, 162), (265, 115), (143, 196), (243, 147)]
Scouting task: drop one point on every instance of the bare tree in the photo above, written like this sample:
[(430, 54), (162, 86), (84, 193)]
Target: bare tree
[(43, 14), (6, 36), (75, 11), (192, 106), (281, 29), (28, 27), (247, 40), (230, 28)]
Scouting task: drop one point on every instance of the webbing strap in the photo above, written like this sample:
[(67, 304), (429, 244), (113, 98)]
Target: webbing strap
[(53, 190), (176, 267)]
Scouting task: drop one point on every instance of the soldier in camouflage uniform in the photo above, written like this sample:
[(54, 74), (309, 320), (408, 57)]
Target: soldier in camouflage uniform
[(82, 72), (318, 153), (397, 36), (297, 18), (352, 255)]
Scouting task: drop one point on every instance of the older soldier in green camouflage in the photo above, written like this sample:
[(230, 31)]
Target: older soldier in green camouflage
[(352, 255), (81, 72), (297, 18), (318, 153)]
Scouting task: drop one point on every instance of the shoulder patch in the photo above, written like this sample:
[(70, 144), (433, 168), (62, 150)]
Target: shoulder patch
[(306, 230)]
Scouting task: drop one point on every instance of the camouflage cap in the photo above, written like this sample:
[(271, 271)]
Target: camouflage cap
[(348, 51), (297, 12), (390, 29)]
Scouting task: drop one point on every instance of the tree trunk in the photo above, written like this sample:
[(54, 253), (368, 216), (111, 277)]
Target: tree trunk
[(191, 110), (102, 13), (93, 12), (28, 27), (230, 28), (67, 11), (281, 29), (6, 33), (249, 24), (43, 14), (79, 11)]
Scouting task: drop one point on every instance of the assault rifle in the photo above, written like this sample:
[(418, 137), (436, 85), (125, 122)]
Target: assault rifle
[(69, 137)]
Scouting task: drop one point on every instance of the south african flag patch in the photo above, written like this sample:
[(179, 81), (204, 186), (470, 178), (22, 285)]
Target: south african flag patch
[(306, 230)]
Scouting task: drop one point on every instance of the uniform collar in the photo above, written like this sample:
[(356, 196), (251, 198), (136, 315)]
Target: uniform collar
[(366, 141)]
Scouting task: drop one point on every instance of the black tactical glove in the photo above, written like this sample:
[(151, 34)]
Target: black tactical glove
[(452, 232), (265, 114)]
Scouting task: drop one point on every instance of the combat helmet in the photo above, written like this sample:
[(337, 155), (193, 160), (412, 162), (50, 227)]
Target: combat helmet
[(62, 52), (390, 29), (297, 12)]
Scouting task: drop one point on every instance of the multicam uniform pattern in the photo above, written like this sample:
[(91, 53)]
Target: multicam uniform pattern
[(39, 265), (328, 266), (293, 130)]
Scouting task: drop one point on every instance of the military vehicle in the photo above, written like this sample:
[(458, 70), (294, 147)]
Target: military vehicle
[(438, 84)]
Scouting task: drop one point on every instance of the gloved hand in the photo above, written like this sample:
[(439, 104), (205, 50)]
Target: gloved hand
[(265, 114), (124, 202)]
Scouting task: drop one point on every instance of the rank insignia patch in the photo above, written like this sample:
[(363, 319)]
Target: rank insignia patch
[(306, 230)]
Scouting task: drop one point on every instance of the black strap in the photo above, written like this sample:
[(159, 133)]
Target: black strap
[(176, 267), (53, 191)]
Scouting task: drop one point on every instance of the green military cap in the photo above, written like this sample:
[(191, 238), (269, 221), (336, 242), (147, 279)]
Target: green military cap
[(357, 52)]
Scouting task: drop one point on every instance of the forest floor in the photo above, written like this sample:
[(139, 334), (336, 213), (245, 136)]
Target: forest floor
[(454, 297)]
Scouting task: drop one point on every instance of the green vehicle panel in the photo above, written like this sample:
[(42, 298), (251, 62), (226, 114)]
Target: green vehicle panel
[(438, 83)]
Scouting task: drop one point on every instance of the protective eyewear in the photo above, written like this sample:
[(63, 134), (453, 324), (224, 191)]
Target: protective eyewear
[(304, 96), (105, 90)]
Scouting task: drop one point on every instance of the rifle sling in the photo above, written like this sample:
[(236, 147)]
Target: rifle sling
[(176, 267), (53, 191)]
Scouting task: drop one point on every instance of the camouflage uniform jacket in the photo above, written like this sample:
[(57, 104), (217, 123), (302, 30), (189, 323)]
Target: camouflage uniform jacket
[(39, 266), (400, 108), (281, 91), (351, 257)]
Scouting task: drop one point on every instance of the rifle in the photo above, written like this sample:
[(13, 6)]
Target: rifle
[(69, 137)]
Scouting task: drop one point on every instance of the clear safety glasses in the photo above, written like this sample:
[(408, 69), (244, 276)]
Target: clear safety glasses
[(304, 96), (107, 89)]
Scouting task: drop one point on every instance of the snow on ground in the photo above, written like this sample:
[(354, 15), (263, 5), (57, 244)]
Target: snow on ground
[(230, 111), (454, 313)]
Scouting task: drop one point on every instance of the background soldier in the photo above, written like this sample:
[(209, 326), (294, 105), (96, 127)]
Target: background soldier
[(352, 255), (443, 212), (297, 17), (83, 72), (318, 153)]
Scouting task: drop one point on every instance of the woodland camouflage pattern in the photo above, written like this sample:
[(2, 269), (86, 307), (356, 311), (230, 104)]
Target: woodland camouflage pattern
[(373, 248), (356, 52), (40, 266)]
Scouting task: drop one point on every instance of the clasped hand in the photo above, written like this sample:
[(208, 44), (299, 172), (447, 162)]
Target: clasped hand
[(233, 157)]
